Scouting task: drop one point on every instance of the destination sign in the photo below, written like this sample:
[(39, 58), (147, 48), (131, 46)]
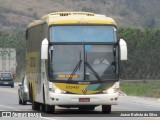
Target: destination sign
[(67, 76)]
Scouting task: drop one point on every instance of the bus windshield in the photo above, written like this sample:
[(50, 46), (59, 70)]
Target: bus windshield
[(83, 62), (82, 34)]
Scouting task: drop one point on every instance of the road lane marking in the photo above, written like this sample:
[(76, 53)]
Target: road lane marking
[(9, 91), (150, 105), (4, 106), (48, 118)]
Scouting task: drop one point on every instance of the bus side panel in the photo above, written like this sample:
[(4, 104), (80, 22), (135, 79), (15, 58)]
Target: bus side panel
[(42, 81), (35, 35)]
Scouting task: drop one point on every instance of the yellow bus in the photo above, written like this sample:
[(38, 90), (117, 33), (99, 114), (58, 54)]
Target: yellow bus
[(72, 60)]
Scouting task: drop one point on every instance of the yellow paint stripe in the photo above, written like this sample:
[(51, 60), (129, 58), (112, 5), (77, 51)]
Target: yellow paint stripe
[(74, 88)]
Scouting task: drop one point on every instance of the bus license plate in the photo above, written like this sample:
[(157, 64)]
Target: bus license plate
[(84, 99)]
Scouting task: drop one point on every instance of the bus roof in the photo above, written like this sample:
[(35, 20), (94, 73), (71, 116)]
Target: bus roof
[(58, 18)]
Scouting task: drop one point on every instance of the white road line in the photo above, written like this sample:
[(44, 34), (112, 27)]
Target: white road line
[(4, 106), (48, 118), (9, 91), (150, 105)]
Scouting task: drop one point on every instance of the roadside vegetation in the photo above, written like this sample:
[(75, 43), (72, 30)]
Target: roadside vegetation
[(143, 51), (142, 37), (148, 89), (134, 13), (143, 54), (15, 39)]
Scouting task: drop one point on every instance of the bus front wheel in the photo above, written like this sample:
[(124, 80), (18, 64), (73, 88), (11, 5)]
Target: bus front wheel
[(106, 109), (49, 108)]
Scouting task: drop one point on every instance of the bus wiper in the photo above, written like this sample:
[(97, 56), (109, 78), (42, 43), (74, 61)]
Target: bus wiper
[(75, 69), (94, 72), (114, 63)]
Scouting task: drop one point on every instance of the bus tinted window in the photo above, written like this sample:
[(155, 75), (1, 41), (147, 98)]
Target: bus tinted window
[(82, 34)]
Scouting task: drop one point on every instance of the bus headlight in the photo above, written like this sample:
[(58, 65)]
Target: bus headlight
[(111, 91), (57, 91)]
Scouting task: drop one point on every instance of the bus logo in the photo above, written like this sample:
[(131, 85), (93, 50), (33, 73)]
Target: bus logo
[(84, 91)]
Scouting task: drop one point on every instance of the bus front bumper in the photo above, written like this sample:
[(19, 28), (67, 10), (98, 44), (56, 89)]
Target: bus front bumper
[(72, 99)]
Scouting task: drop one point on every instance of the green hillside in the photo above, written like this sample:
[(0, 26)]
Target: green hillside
[(137, 13), (130, 15)]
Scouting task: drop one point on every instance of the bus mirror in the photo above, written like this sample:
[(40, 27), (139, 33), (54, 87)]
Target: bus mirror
[(44, 49), (123, 49)]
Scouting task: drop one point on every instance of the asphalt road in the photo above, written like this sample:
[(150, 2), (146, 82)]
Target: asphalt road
[(128, 105)]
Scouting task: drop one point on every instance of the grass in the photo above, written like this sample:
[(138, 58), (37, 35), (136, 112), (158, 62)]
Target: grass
[(149, 89)]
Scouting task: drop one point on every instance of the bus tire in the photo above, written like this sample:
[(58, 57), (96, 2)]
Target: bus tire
[(20, 101), (24, 102), (35, 106), (30, 94), (106, 109), (49, 108), (43, 107)]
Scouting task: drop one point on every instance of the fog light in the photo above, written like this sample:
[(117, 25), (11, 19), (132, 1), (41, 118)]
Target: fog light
[(57, 99), (52, 99), (116, 98)]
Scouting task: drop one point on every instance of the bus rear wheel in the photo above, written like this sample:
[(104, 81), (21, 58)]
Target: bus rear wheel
[(35, 106), (106, 109)]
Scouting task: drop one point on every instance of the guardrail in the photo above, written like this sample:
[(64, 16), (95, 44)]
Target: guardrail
[(143, 81)]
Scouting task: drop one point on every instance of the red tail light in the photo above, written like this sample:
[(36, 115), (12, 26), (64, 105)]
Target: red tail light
[(14, 75)]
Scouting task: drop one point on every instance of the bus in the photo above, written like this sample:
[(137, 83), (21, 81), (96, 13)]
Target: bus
[(72, 61)]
